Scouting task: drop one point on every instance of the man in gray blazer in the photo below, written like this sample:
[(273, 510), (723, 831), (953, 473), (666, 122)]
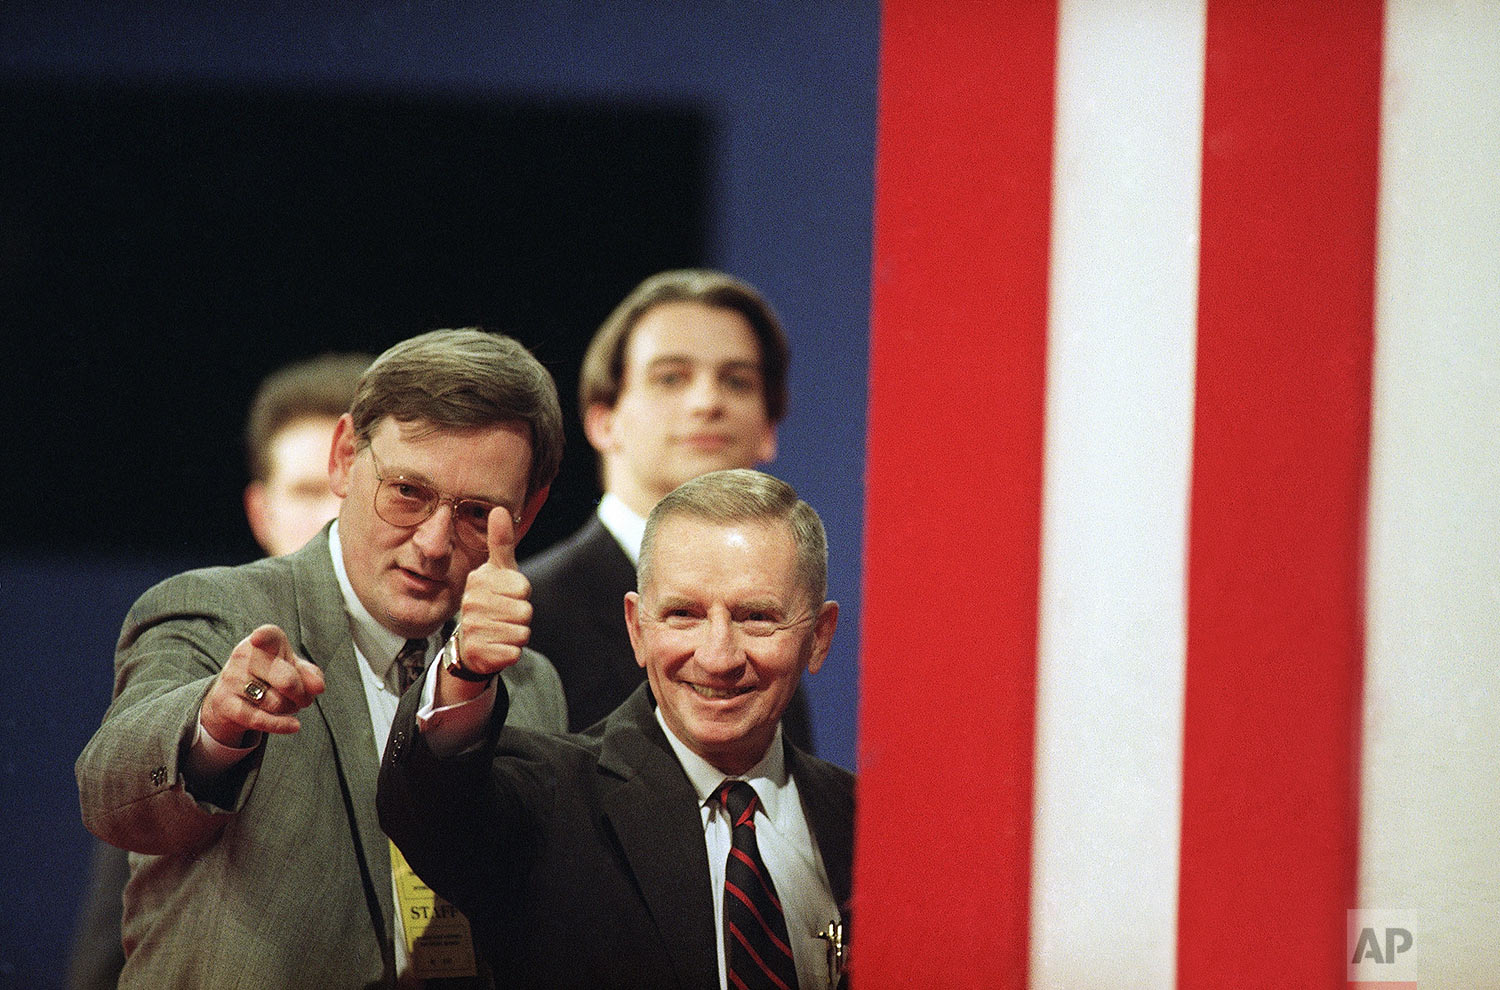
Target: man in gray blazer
[(616, 858), (239, 755), (287, 501)]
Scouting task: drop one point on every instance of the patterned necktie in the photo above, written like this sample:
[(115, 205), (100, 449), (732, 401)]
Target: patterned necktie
[(410, 662), (757, 953)]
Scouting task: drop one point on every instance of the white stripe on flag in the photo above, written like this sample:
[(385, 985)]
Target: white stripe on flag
[(1121, 349), (1429, 839)]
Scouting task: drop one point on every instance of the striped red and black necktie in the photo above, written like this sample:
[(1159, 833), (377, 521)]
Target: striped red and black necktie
[(757, 953)]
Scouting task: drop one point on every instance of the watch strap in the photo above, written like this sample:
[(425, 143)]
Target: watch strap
[(454, 664)]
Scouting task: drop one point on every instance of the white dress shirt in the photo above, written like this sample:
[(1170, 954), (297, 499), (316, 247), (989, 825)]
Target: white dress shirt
[(382, 690), (786, 846), (625, 526)]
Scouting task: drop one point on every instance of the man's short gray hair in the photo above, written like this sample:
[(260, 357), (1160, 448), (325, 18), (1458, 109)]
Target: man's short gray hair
[(745, 495)]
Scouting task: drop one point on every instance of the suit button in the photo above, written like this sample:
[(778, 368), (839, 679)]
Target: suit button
[(159, 776)]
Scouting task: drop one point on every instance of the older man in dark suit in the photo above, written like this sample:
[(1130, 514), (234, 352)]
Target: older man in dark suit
[(240, 753), (682, 842), (686, 375)]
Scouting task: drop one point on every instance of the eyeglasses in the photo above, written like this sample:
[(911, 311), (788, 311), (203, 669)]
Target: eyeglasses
[(403, 502)]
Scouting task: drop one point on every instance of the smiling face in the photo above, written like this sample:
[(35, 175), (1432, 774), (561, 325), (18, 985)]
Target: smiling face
[(725, 630), (692, 400), (411, 578)]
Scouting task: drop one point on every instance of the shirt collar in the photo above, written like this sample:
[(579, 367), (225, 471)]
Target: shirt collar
[(768, 777), (624, 525), (377, 644)]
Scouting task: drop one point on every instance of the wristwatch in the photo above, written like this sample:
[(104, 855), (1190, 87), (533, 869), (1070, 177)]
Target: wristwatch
[(453, 665)]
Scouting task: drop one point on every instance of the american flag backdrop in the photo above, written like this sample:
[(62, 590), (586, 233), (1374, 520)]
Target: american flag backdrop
[(1182, 559)]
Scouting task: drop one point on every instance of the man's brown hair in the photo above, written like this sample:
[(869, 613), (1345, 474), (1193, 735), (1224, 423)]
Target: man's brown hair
[(322, 386), (600, 379), (460, 379)]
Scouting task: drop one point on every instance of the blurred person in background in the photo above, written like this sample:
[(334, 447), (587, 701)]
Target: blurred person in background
[(685, 376), (287, 436)]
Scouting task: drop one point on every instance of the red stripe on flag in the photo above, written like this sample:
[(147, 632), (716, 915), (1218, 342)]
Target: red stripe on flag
[(1281, 448), (953, 515)]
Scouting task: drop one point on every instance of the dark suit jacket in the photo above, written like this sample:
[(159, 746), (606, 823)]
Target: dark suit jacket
[(580, 859), (277, 875), (577, 591)]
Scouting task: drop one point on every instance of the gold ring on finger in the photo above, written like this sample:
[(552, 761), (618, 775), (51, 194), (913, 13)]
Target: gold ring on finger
[(255, 691)]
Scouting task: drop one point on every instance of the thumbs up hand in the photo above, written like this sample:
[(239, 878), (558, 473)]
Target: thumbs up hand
[(495, 616)]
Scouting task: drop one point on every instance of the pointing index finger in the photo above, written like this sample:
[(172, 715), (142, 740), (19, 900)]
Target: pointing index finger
[(271, 640), (502, 538)]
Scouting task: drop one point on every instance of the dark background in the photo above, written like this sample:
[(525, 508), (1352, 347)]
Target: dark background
[(165, 248), (192, 194)]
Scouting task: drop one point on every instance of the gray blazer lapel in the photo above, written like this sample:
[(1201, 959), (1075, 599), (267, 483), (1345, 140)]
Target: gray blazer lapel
[(324, 631), (653, 810)]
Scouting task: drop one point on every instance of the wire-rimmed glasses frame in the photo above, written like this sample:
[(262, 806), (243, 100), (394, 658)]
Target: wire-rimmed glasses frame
[(407, 502)]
